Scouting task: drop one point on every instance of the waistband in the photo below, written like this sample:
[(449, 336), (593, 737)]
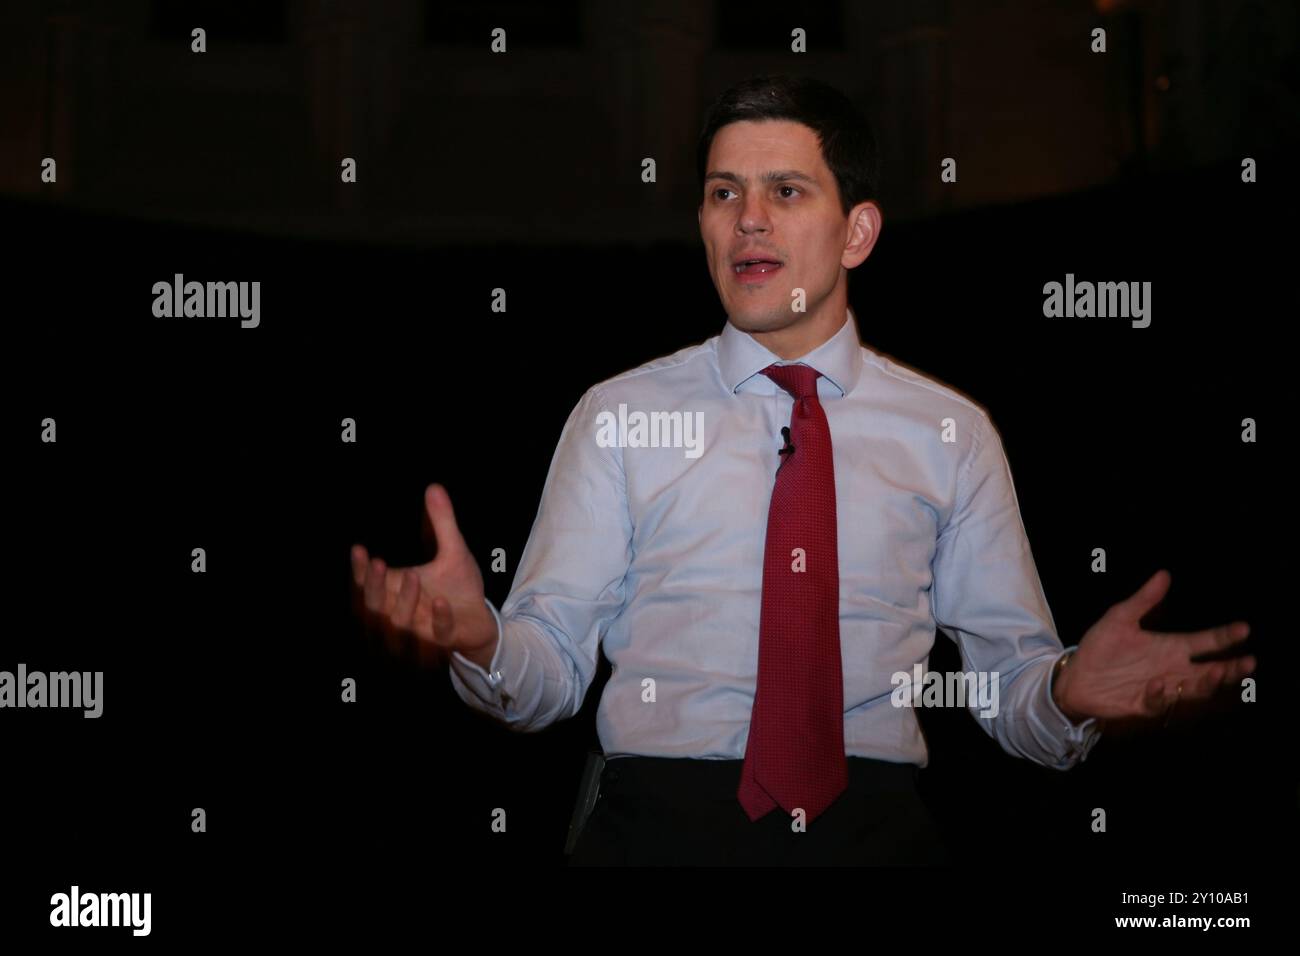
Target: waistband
[(721, 778)]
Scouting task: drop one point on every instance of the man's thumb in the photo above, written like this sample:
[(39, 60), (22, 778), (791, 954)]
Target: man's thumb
[(1137, 606), (437, 503)]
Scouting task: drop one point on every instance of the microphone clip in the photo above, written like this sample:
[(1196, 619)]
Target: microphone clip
[(789, 446)]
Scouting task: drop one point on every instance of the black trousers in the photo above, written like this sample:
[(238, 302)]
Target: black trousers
[(663, 811)]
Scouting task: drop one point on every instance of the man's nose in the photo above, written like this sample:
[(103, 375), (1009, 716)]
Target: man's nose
[(753, 217)]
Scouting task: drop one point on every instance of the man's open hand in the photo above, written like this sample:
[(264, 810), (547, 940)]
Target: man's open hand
[(439, 605), (1122, 671)]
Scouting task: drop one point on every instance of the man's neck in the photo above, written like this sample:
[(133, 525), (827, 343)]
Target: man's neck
[(798, 340)]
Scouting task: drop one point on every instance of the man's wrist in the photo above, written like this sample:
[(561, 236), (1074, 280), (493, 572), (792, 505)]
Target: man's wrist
[(485, 651), (1060, 679), (483, 655)]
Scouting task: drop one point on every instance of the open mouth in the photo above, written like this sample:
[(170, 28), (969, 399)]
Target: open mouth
[(756, 267)]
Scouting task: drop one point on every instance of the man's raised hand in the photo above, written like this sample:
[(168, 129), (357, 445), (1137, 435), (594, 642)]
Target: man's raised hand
[(439, 605), (1124, 672)]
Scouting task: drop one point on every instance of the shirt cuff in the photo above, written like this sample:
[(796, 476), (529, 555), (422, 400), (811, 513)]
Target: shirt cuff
[(489, 687), (1079, 738)]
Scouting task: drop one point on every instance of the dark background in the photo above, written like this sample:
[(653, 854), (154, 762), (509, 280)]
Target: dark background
[(522, 171)]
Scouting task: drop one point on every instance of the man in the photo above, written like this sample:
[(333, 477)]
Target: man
[(752, 712)]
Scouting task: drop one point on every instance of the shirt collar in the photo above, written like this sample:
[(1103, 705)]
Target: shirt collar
[(839, 358)]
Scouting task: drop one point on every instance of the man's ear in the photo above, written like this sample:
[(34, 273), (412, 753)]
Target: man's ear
[(864, 223)]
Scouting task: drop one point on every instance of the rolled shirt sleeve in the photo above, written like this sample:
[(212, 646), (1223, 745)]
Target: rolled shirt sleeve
[(986, 594)]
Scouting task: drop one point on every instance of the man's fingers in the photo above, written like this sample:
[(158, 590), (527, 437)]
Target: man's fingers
[(1204, 682), (1241, 667), (1199, 684), (360, 565), (1215, 638), (396, 601), (422, 620), (1210, 677), (393, 582), (407, 595), (376, 587)]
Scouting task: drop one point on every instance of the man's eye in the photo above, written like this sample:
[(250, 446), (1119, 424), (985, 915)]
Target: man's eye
[(720, 189), (795, 189)]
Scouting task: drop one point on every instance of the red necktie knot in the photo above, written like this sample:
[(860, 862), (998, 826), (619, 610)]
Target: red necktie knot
[(799, 380)]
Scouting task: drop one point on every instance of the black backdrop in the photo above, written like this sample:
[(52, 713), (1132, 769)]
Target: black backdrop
[(222, 690)]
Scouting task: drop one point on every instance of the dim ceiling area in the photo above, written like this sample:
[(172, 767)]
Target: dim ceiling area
[(546, 140)]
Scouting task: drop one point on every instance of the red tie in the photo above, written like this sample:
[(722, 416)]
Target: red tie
[(795, 754)]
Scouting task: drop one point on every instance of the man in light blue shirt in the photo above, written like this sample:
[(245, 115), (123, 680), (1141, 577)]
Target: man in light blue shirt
[(661, 555), (649, 539)]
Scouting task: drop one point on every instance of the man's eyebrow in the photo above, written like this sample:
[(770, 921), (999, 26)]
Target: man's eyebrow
[(774, 176)]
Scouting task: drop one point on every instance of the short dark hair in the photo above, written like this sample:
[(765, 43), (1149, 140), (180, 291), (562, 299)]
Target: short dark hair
[(847, 140)]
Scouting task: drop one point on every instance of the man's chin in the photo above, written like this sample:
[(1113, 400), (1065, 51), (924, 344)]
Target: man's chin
[(770, 321)]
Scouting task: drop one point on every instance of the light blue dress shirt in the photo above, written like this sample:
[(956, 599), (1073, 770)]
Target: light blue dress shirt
[(658, 552)]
